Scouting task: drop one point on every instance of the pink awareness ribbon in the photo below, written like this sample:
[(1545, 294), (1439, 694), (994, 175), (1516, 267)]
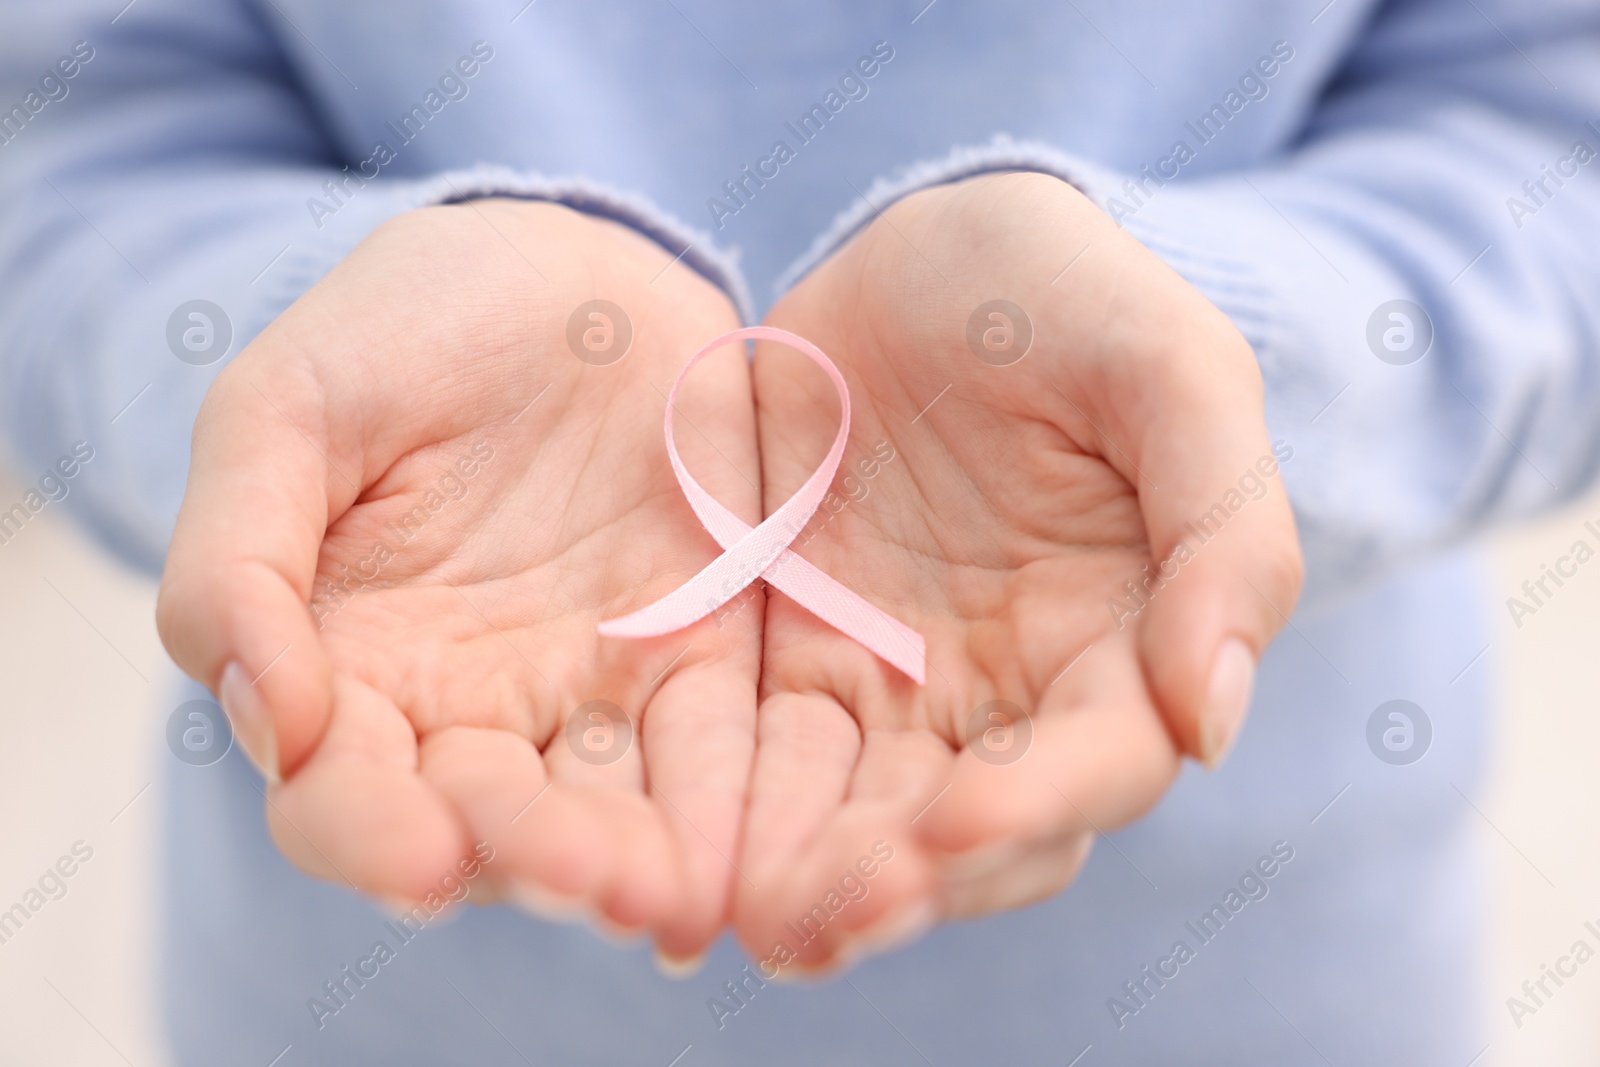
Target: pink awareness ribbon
[(763, 551)]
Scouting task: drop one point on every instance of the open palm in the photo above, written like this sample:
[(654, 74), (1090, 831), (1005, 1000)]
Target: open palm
[(425, 451), (461, 499), (982, 503)]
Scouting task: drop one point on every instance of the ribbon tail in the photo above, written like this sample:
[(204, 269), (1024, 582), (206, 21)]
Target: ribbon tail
[(852, 615)]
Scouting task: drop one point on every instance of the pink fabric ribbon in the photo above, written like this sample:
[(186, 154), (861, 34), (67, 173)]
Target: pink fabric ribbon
[(763, 551)]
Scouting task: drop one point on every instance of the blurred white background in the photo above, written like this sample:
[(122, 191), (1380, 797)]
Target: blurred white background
[(84, 695)]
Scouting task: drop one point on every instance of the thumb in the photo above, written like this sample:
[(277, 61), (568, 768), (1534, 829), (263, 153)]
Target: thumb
[(1226, 566), (232, 610)]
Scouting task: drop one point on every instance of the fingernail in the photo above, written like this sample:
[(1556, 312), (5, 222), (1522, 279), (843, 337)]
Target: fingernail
[(897, 928), (252, 724), (680, 967), (889, 932), (617, 934), (825, 970), (1233, 676), (547, 905), (445, 915), (393, 907)]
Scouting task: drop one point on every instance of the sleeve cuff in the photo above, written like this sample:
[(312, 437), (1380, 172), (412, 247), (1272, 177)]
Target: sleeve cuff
[(1188, 239), (360, 216), (140, 480), (1207, 242), (1232, 285), (1000, 154)]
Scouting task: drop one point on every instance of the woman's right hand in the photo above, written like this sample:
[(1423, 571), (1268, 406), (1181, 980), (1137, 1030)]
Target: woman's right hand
[(415, 450)]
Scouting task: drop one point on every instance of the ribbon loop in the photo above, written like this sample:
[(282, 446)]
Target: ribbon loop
[(763, 551)]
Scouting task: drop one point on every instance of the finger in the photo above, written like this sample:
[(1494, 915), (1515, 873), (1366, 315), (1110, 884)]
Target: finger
[(1097, 756), (636, 873), (834, 869), (1013, 876), (861, 883), (897, 769), (1227, 530), (552, 851), (358, 813), (563, 850), (232, 608), (1177, 410), (805, 753), (699, 735), (864, 886), (1226, 564)]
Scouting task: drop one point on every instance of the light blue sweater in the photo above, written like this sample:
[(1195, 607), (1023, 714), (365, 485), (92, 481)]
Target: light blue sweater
[(1304, 164)]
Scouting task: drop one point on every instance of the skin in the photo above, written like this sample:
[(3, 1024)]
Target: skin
[(1018, 505), (428, 711), (772, 754)]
